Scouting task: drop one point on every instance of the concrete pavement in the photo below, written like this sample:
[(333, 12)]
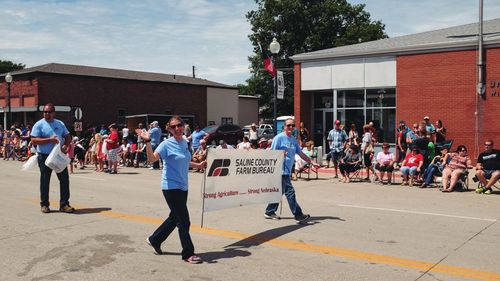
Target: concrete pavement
[(358, 231)]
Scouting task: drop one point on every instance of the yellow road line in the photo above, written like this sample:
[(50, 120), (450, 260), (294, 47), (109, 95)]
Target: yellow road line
[(339, 252)]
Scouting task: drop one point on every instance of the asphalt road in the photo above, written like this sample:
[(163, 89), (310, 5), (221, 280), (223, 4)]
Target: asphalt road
[(358, 231)]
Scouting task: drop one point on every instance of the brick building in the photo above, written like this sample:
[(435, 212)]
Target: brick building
[(108, 95), (432, 74)]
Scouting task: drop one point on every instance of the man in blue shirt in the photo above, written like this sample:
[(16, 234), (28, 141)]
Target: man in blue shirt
[(155, 135), (337, 138), (46, 133), (196, 136), (286, 142)]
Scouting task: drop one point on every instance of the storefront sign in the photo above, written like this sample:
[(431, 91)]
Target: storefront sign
[(494, 88)]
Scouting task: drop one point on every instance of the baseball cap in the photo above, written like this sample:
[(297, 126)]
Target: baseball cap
[(337, 122), (426, 117), (402, 122)]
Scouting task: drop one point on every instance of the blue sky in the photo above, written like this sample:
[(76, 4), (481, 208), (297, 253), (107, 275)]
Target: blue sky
[(169, 36)]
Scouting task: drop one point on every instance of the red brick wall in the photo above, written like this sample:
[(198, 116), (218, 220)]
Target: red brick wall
[(22, 91), (100, 98), (443, 86), (297, 95), (490, 106)]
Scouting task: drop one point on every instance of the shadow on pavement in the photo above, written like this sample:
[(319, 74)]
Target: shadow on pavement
[(237, 249), (85, 211), (314, 219)]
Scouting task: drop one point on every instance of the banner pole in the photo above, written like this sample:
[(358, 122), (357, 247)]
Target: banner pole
[(203, 191), (203, 201), (281, 205)]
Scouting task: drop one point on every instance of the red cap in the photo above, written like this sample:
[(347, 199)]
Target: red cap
[(337, 122)]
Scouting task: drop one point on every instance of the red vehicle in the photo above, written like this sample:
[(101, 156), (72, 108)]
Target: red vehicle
[(232, 134)]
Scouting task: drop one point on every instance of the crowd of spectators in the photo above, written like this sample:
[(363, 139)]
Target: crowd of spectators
[(422, 152)]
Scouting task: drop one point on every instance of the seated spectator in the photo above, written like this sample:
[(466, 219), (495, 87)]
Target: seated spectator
[(435, 167), (245, 144), (124, 153), (411, 166), (200, 154), (350, 162), (301, 163), (262, 143), (459, 162), (488, 168), (223, 145), (385, 163)]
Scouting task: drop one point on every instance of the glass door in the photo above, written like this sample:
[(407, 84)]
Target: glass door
[(328, 125)]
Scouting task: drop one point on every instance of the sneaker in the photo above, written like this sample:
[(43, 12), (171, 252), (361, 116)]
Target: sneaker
[(487, 191), (302, 218), (479, 190), (271, 216), (67, 209), (45, 209), (194, 259), (156, 248), (404, 183)]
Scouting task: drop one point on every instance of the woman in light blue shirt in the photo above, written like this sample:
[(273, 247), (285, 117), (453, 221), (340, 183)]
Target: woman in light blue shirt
[(176, 157)]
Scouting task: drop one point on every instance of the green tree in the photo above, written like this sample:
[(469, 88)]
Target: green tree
[(301, 26), (8, 66)]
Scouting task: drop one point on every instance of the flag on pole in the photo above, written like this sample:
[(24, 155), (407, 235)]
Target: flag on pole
[(268, 62)]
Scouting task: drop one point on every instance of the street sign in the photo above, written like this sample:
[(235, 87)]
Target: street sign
[(281, 84), (58, 108), (78, 126), (78, 113)]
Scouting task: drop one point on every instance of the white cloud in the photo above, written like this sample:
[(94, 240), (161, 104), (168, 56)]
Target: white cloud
[(170, 36)]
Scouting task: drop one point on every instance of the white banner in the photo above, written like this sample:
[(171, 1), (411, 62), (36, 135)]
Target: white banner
[(281, 85), (237, 177)]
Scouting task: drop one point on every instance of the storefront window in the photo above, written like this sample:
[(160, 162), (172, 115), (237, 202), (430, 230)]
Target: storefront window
[(385, 123), (380, 97), (350, 98), (352, 116), (323, 99), (357, 107)]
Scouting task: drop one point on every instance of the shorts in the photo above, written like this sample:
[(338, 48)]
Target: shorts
[(367, 159), (113, 155), (381, 168), (488, 173), (336, 155)]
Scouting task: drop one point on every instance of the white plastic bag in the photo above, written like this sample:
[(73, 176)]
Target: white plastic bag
[(31, 163), (57, 160)]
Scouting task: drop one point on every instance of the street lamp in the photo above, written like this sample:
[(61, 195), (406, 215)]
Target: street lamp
[(274, 47), (8, 79)]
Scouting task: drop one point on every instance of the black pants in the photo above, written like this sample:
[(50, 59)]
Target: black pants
[(345, 168), (179, 217), (45, 173)]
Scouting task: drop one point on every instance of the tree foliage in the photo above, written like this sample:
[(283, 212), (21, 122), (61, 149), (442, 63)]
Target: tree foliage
[(301, 26), (8, 66)]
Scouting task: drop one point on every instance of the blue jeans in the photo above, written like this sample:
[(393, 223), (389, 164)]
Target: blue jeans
[(429, 173), (179, 217), (412, 171), (45, 173), (289, 191)]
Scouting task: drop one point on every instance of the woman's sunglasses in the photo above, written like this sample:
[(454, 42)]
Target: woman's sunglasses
[(180, 125)]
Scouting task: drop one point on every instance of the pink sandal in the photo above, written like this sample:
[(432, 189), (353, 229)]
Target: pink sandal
[(194, 259)]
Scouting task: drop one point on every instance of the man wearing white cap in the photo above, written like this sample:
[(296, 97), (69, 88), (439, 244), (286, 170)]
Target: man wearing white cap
[(431, 130)]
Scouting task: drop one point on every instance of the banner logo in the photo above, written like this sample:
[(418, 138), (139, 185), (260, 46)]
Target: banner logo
[(219, 168)]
